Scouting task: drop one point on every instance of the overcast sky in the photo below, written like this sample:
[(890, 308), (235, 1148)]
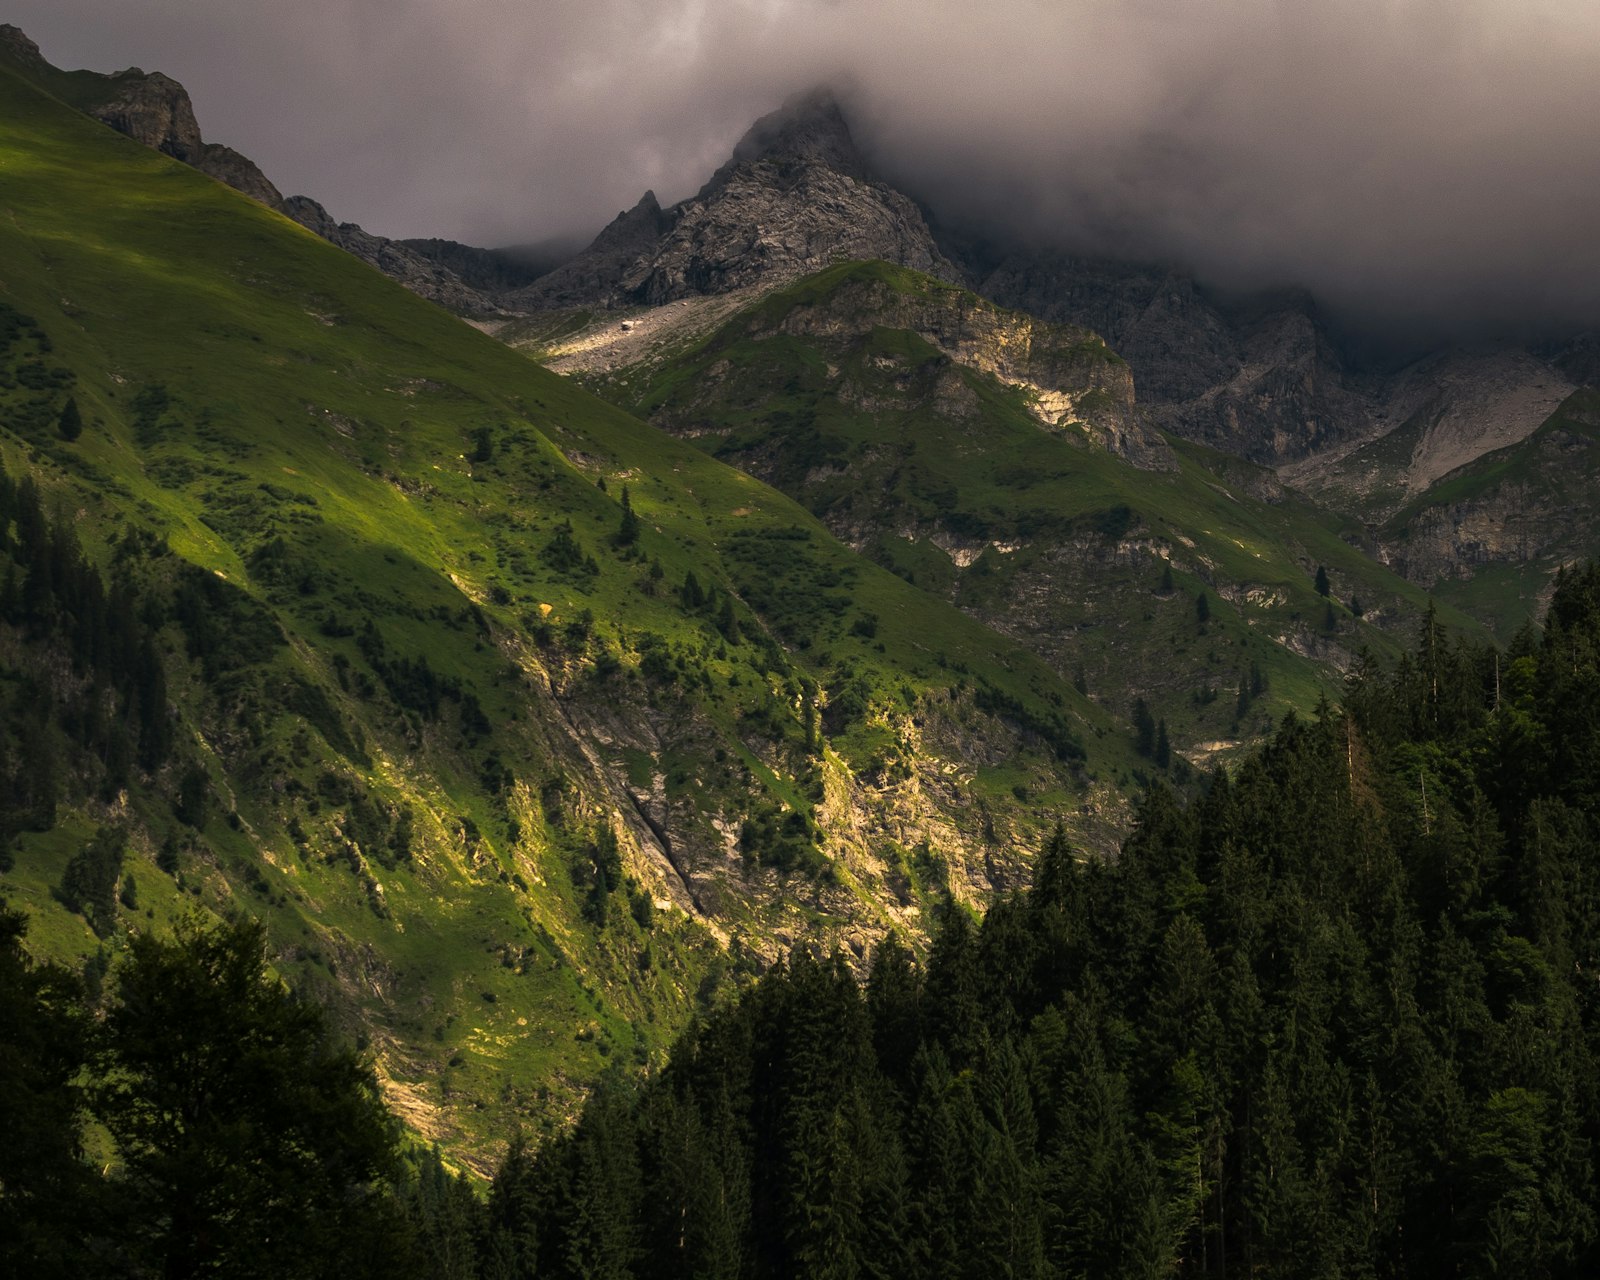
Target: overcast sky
[(1440, 157)]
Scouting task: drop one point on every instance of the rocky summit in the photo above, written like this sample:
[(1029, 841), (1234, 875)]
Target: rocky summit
[(796, 196)]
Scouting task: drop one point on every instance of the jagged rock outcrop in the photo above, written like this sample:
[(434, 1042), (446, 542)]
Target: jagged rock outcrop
[(795, 196), (1289, 397), (1259, 379), (596, 274), (20, 51), (155, 109), (1532, 503), (1178, 344)]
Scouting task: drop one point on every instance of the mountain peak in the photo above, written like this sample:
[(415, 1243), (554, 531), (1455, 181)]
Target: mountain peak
[(809, 129), (15, 44)]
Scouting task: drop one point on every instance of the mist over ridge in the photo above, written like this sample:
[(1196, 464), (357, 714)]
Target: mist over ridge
[(1416, 165)]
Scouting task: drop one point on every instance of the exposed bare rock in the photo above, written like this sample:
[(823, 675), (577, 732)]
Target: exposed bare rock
[(1432, 417), (1259, 379), (1288, 398), (1072, 378), (17, 49), (493, 271), (1531, 503), (1177, 343), (155, 109), (237, 171), (795, 196)]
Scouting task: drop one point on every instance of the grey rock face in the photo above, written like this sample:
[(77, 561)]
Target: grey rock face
[(18, 49), (796, 196), (1263, 382), (596, 274), (1152, 316), (492, 271), (155, 109)]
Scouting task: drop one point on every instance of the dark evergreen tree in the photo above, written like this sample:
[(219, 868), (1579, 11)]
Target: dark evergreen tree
[(1144, 729), (49, 1209), (628, 531), (252, 1144), (69, 426)]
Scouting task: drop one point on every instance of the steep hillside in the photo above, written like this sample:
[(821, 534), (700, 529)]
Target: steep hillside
[(520, 723), (1001, 463), (1489, 536)]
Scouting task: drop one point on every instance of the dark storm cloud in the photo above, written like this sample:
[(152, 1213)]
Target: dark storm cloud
[(1429, 158)]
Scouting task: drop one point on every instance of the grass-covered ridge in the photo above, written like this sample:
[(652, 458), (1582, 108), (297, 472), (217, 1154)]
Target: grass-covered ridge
[(504, 711)]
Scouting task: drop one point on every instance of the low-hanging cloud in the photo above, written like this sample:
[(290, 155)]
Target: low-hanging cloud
[(1430, 161)]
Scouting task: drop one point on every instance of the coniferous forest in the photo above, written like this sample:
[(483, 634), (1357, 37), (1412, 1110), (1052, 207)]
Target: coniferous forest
[(1335, 1016)]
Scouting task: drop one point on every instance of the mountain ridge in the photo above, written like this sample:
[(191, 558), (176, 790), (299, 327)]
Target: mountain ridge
[(154, 109)]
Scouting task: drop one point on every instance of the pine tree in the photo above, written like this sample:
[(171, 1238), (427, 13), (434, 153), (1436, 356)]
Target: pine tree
[(1202, 609), (1163, 748), (690, 592), (70, 425), (628, 532), (44, 1182), (1322, 584), (1144, 729), (728, 621), (251, 1143)]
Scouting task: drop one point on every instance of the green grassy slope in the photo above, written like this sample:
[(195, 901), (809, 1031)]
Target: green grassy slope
[(841, 391), (428, 688)]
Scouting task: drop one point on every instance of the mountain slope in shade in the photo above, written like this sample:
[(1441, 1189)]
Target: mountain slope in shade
[(1491, 535)]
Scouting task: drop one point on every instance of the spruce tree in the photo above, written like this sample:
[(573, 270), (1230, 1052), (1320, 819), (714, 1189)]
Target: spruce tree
[(628, 531), (70, 424), (1144, 729), (251, 1142)]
